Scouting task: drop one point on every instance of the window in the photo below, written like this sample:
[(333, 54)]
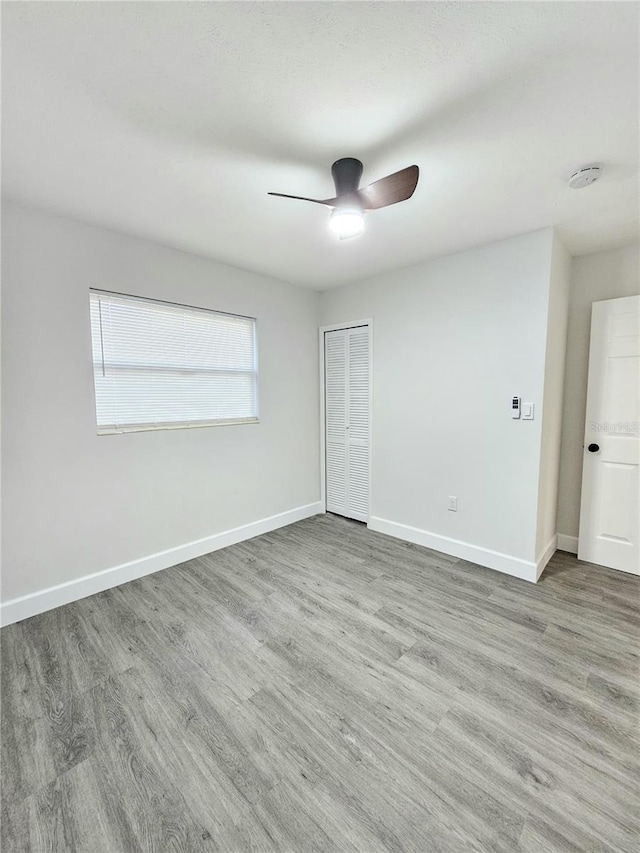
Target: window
[(156, 365)]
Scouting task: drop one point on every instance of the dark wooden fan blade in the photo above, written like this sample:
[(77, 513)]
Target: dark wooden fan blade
[(330, 202), (390, 190)]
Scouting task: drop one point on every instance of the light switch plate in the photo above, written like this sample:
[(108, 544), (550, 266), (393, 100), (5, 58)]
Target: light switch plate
[(527, 411)]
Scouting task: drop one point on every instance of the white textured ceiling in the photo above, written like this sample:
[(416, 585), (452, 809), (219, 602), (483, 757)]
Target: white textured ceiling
[(172, 121)]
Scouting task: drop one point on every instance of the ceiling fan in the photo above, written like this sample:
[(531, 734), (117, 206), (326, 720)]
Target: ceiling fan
[(350, 203)]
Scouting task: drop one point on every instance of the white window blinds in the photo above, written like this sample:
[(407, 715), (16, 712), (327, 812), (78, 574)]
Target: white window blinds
[(156, 364)]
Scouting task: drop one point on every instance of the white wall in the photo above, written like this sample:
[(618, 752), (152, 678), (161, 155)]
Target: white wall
[(557, 317), (75, 502), (453, 340), (602, 275)]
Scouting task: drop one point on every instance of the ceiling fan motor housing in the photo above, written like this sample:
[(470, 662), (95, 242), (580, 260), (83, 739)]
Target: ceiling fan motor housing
[(346, 175)]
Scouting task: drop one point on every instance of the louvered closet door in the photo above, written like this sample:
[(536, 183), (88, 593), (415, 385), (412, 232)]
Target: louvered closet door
[(335, 371), (358, 423), (347, 421)]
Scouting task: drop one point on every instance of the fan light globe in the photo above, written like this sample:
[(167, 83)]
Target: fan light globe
[(347, 222)]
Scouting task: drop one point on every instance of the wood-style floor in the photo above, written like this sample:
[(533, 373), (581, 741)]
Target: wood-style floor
[(324, 687)]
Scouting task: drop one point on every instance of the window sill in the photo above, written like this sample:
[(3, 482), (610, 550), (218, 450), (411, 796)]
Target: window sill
[(155, 427)]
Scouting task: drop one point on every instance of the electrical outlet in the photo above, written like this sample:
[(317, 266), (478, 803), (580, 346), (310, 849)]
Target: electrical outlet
[(453, 503)]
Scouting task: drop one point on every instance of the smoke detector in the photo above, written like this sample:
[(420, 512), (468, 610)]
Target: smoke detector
[(585, 176)]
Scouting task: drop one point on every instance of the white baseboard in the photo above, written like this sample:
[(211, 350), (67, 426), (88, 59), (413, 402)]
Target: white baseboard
[(547, 554), (456, 548), (567, 543), (25, 606)]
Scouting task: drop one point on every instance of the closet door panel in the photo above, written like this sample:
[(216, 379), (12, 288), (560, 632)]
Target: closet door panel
[(335, 344), (358, 422)]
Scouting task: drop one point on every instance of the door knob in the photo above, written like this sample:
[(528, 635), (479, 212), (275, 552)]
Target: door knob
[(593, 448)]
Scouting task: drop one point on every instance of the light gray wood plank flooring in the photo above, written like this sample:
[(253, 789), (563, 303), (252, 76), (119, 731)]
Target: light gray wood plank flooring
[(327, 688)]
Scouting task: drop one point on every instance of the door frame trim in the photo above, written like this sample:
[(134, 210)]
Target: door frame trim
[(353, 324)]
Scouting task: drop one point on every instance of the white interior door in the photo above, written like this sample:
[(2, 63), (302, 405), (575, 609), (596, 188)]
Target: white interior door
[(610, 509), (347, 421)]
